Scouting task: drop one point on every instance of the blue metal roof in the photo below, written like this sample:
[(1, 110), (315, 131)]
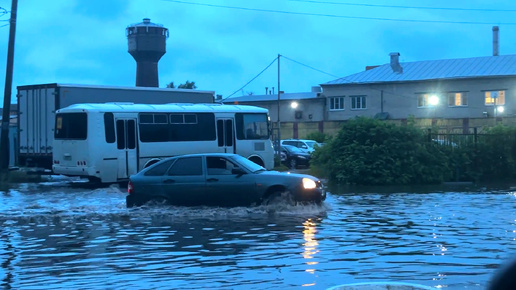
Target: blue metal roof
[(274, 97), (476, 67)]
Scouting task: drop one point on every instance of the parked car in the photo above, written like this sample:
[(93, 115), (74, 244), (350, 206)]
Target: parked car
[(293, 157), (218, 180), (305, 145)]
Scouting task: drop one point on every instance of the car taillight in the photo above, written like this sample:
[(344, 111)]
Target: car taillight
[(130, 188)]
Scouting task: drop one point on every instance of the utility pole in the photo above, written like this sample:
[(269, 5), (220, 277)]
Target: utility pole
[(4, 141), (279, 124)]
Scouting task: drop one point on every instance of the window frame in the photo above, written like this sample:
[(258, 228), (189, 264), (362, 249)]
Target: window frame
[(332, 106), (501, 95), (363, 103), (453, 103)]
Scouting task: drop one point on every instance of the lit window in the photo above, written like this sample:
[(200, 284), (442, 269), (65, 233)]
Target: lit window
[(336, 103), (494, 98), (457, 99), (358, 102), (425, 100)]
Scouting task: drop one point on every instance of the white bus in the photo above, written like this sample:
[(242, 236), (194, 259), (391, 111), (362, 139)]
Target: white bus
[(109, 142)]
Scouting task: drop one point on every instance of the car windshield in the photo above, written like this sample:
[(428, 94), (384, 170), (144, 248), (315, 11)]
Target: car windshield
[(292, 149), (311, 144), (247, 164)]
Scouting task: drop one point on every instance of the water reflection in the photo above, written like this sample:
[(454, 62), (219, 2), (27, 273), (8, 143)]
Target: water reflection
[(310, 247), (68, 238)]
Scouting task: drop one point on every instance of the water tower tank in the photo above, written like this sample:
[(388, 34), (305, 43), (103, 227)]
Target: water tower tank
[(147, 44)]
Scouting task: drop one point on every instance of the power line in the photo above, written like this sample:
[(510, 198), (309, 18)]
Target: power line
[(407, 7), (250, 80), (310, 67), (341, 16)]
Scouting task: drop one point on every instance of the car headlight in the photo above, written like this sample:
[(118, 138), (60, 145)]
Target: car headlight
[(308, 183), (301, 157)]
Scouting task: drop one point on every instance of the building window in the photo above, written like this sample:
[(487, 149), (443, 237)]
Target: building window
[(358, 102), (457, 99), (423, 100), (336, 103), (427, 100), (494, 98)]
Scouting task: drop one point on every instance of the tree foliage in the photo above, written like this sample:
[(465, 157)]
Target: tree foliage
[(187, 85), (318, 137), (373, 152)]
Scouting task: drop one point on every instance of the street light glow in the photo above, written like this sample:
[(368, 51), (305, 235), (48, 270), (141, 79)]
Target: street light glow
[(500, 109), (294, 105), (433, 100)]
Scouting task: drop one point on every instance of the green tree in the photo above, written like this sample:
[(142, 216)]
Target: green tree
[(187, 85)]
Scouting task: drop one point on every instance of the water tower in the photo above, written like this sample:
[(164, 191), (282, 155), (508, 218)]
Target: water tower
[(147, 44)]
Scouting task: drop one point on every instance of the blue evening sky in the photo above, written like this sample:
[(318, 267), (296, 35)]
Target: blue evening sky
[(223, 44)]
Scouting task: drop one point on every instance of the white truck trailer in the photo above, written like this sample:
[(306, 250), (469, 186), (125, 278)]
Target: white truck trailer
[(37, 105)]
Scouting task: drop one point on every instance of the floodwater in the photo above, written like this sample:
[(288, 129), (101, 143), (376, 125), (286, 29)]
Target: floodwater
[(54, 236)]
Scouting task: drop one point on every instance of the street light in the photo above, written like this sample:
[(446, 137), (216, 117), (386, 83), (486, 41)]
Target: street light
[(433, 100), (294, 105)]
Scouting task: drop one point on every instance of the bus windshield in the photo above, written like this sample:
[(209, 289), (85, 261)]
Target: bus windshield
[(71, 126), (252, 126)]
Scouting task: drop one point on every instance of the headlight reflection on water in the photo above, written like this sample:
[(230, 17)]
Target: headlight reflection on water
[(310, 247)]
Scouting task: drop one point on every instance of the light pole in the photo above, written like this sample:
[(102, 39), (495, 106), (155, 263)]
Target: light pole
[(4, 139), (278, 142)]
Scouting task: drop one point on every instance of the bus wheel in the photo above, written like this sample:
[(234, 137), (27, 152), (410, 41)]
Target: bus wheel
[(257, 161)]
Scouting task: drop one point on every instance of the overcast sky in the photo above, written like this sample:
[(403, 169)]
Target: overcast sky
[(223, 44)]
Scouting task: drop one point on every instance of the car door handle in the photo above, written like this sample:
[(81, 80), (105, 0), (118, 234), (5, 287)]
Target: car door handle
[(212, 179), (169, 181)]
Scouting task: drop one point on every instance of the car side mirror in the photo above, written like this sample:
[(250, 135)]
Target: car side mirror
[(238, 171), (304, 146)]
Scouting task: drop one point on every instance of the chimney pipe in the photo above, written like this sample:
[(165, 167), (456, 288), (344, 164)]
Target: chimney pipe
[(495, 40), (266, 90), (395, 62)]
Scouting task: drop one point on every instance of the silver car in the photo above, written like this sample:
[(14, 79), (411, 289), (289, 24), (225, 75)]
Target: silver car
[(219, 180)]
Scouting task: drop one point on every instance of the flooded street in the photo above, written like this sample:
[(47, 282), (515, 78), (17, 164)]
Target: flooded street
[(55, 236)]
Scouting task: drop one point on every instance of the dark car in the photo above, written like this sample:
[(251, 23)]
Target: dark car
[(219, 180), (293, 157)]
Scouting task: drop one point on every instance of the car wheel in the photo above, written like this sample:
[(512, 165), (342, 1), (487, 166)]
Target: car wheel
[(158, 200), (293, 163), (129, 201), (280, 197)]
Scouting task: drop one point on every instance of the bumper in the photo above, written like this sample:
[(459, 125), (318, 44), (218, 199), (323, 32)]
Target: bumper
[(317, 195), (73, 170)]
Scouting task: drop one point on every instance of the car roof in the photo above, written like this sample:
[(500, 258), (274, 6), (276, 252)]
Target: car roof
[(304, 140), (205, 154)]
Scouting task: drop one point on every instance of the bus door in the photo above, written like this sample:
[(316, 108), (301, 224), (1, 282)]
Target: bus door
[(226, 135), (126, 144)]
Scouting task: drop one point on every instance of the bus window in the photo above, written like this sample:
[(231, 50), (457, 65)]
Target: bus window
[(109, 127), (71, 126), (229, 132), (131, 134), (182, 127), (220, 132), (252, 126), (120, 134)]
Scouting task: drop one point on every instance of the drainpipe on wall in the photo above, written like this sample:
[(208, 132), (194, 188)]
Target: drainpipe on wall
[(495, 40)]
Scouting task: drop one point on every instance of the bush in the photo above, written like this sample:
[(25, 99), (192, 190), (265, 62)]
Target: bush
[(319, 137), (372, 152)]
